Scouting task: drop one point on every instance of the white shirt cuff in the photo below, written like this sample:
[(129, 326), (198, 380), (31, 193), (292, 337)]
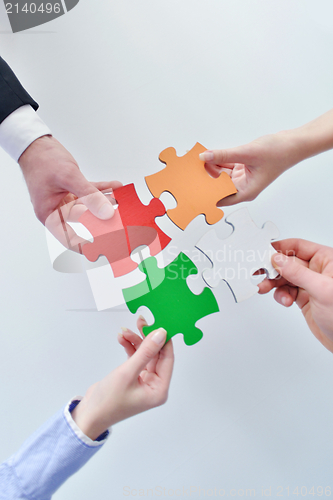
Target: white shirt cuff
[(85, 439), (20, 129)]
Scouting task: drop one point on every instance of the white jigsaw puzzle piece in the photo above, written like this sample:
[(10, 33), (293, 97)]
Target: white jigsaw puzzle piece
[(181, 241), (185, 241), (238, 257)]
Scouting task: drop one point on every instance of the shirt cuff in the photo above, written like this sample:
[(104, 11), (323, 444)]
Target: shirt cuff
[(85, 439), (20, 129)]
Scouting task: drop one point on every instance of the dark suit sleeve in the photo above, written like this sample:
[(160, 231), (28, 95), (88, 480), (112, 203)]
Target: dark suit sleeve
[(12, 94)]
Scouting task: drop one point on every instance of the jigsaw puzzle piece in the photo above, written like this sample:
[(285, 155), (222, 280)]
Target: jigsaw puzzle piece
[(172, 303), (238, 257), (195, 191), (136, 214), (132, 225), (241, 220), (195, 282), (110, 240), (185, 241)]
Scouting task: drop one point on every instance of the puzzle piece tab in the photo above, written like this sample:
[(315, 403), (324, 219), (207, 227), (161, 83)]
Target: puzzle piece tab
[(188, 181), (185, 241), (132, 225), (236, 258), (167, 295)]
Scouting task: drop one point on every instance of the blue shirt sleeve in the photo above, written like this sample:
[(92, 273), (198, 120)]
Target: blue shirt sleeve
[(46, 460)]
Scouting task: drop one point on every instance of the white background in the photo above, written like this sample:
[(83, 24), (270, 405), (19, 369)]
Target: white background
[(250, 406)]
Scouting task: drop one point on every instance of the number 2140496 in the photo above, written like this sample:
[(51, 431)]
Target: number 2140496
[(32, 8)]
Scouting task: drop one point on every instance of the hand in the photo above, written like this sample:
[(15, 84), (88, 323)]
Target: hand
[(53, 177), (254, 166), (306, 271), (139, 384)]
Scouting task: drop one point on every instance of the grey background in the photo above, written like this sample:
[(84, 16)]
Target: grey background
[(250, 406)]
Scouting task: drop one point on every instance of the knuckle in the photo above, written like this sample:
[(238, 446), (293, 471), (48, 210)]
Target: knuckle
[(221, 156), (66, 176), (148, 352), (297, 271), (252, 196), (40, 214), (162, 397)]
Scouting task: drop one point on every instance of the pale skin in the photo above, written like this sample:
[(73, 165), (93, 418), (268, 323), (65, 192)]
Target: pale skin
[(306, 268), (252, 167), (53, 178), (60, 194), (139, 384), (306, 271)]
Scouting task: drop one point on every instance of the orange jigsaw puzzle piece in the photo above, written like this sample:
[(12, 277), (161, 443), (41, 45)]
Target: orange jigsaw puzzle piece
[(196, 192)]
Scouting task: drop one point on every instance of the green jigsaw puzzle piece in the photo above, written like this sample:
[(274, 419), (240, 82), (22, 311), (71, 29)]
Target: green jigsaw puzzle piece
[(166, 294)]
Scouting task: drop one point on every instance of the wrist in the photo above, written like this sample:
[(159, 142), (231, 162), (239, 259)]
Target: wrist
[(20, 129), (40, 144), (89, 419), (315, 137), (68, 413)]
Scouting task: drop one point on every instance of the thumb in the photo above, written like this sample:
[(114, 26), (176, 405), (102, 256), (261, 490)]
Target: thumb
[(90, 196), (148, 349), (240, 154), (299, 275)]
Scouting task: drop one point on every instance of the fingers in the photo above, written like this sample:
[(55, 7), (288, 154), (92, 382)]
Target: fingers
[(105, 186), (241, 154), (141, 322), (297, 247), (128, 346), (71, 210), (233, 199), (286, 295), (267, 285), (299, 275), (130, 341), (57, 224), (301, 251), (151, 366), (150, 346), (90, 196), (165, 363)]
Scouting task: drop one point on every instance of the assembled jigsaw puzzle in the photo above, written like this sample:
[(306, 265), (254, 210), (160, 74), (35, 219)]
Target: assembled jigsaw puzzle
[(178, 290)]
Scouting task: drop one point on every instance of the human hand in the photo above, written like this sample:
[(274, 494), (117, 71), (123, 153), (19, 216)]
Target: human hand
[(141, 383), (306, 271), (53, 178), (254, 166)]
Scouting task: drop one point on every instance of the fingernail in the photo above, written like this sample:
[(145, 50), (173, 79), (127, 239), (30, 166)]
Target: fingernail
[(284, 301), (124, 329), (106, 211), (280, 260), (206, 156), (121, 335), (159, 336), (142, 319)]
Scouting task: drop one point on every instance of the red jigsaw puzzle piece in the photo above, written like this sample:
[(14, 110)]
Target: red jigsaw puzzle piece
[(133, 225)]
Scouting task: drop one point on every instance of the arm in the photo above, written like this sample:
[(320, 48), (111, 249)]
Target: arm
[(306, 278), (69, 439), (12, 94), (254, 166), (47, 459)]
